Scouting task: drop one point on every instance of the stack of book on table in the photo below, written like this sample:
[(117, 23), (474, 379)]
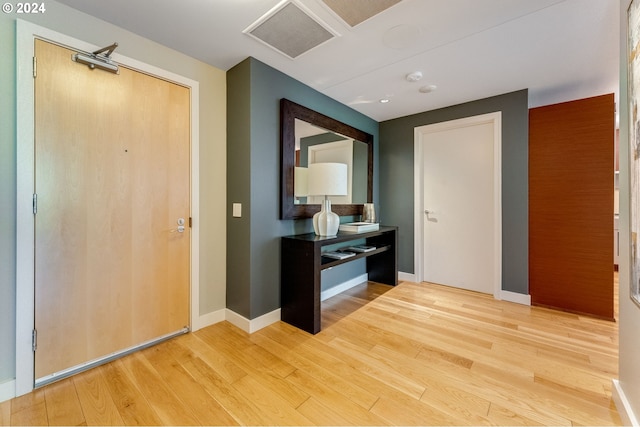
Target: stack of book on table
[(359, 227), (361, 248), (338, 254)]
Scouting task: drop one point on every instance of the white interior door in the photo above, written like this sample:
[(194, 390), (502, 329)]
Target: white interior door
[(460, 204)]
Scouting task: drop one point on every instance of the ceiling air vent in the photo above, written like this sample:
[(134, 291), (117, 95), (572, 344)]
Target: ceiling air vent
[(291, 29), (354, 12)]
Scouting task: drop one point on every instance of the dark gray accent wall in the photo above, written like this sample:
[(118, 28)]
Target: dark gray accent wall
[(238, 187), (254, 91), (359, 175), (397, 180)]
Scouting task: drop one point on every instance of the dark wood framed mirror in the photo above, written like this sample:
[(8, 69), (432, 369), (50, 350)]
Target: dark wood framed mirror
[(293, 119)]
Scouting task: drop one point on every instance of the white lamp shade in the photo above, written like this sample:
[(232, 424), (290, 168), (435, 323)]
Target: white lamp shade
[(327, 179), (300, 182)]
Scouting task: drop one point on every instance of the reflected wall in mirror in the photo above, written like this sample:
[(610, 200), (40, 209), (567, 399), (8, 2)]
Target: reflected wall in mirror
[(310, 137), (318, 145)]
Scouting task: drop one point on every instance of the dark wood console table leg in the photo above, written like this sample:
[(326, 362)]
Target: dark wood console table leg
[(383, 267), (300, 300)]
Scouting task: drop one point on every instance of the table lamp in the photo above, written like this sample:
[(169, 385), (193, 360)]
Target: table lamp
[(327, 179)]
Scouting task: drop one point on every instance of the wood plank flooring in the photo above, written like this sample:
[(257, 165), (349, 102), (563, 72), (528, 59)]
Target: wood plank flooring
[(414, 354)]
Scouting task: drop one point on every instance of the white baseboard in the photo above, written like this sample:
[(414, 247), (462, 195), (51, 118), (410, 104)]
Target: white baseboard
[(503, 295), (236, 319), (209, 319), (515, 297), (623, 406), (7, 390), (406, 277), (264, 321), (253, 325), (335, 290)]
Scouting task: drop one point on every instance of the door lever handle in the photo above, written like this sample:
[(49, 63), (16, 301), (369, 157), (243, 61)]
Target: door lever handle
[(180, 225), (180, 228)]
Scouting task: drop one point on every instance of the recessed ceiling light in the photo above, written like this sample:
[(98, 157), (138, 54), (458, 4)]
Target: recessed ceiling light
[(384, 100)]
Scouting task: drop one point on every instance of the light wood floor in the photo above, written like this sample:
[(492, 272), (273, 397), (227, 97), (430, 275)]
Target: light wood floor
[(418, 354)]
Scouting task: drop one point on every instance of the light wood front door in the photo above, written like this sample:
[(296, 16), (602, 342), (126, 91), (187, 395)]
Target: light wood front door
[(112, 181)]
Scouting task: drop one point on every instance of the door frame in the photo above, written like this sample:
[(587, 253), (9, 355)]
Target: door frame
[(420, 134), (26, 33)]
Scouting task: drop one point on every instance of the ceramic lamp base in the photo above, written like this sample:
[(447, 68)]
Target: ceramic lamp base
[(325, 222)]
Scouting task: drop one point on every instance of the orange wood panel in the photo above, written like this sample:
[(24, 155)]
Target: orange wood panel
[(571, 164)]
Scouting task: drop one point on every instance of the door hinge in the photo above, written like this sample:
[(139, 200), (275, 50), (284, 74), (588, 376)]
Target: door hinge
[(35, 67), (190, 222), (34, 340), (35, 203)]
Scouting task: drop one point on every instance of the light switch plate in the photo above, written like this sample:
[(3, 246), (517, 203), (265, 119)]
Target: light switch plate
[(237, 210)]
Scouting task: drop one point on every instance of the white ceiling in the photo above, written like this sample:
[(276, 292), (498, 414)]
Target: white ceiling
[(470, 49)]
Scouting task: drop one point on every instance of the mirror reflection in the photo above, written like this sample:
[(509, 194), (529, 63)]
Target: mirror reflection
[(314, 144), (307, 136)]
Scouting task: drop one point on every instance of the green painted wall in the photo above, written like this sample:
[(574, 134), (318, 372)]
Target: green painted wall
[(239, 165), (396, 172), (253, 241), (7, 199)]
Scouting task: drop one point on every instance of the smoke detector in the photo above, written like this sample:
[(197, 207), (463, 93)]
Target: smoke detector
[(414, 77)]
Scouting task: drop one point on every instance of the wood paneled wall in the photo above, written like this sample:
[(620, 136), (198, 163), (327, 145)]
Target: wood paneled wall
[(571, 165)]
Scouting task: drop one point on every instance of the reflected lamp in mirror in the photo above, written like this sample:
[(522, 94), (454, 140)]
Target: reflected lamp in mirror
[(327, 179), (300, 184)]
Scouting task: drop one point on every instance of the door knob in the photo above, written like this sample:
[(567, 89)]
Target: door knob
[(180, 225)]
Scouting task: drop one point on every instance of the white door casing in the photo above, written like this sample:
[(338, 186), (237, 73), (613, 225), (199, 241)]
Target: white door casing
[(468, 222)]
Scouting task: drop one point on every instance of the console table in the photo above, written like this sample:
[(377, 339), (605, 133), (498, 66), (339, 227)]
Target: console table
[(302, 261)]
